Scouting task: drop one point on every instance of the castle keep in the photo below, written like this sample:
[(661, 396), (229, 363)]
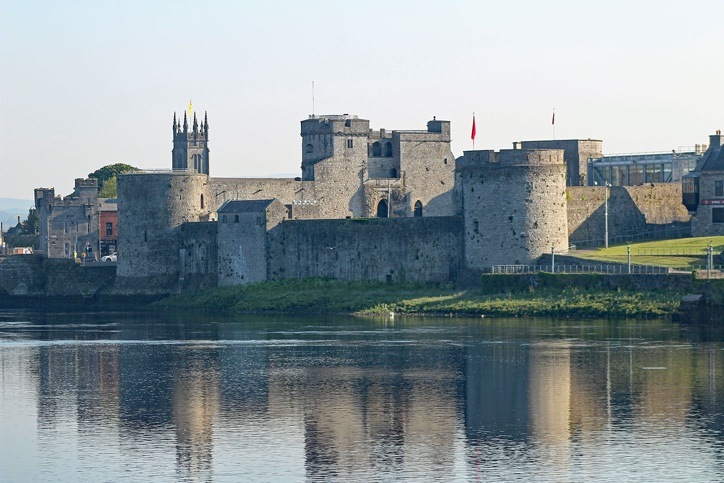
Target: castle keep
[(386, 205)]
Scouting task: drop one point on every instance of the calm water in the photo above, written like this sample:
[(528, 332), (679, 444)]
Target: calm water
[(138, 397)]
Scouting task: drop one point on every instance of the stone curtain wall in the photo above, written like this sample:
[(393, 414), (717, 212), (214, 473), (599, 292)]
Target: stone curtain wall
[(576, 155), (403, 249), (285, 190), (198, 255), (631, 210)]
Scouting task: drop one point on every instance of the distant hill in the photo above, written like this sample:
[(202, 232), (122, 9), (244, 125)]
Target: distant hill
[(11, 208)]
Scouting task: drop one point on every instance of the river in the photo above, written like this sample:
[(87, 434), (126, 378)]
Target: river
[(182, 397)]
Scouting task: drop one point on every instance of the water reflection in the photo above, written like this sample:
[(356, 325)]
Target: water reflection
[(133, 396)]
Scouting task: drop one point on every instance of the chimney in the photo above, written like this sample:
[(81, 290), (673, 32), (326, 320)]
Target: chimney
[(715, 140)]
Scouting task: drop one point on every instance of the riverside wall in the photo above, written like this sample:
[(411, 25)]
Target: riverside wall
[(34, 276), (396, 250)]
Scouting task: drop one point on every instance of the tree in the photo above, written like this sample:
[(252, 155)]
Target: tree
[(106, 177), (32, 223), (109, 188)]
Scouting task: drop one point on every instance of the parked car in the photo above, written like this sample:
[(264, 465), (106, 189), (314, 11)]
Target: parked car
[(109, 258)]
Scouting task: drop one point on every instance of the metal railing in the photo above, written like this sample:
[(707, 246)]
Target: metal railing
[(593, 268), (668, 232)]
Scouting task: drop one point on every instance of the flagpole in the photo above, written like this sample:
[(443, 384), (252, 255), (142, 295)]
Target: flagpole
[(553, 121)]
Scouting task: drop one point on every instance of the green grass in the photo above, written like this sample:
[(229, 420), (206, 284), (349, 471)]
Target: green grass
[(668, 253), (585, 296), (324, 296)]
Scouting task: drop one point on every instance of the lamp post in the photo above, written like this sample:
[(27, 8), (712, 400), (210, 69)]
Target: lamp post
[(628, 256), (605, 214)]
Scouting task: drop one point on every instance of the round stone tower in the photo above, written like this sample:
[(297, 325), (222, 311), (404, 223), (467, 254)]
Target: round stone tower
[(151, 208), (514, 206)]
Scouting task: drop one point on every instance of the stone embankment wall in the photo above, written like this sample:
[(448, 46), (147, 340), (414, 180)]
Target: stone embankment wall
[(631, 210), (30, 275), (403, 249)]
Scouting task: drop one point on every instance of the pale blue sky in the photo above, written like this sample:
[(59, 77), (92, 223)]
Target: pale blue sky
[(89, 83)]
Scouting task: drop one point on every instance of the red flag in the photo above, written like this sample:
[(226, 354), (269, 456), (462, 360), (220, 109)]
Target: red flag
[(472, 134), (553, 120)]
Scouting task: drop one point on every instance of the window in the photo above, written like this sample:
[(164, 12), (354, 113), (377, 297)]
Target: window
[(202, 202), (348, 123), (388, 149), (145, 235), (236, 218), (476, 226), (717, 215), (718, 188), (376, 150), (393, 173), (109, 229), (65, 227), (309, 148), (418, 209), (349, 144)]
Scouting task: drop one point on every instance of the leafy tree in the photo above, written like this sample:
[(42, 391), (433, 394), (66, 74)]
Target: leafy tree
[(106, 177), (109, 189), (31, 225)]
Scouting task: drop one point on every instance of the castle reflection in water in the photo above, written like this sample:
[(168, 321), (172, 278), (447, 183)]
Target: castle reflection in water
[(349, 404)]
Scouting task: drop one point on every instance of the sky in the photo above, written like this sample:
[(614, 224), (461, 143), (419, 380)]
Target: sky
[(84, 84)]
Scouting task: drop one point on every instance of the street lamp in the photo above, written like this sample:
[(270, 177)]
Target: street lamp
[(608, 185)]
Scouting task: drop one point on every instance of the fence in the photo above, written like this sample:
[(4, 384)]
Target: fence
[(661, 234), (715, 271), (601, 268)]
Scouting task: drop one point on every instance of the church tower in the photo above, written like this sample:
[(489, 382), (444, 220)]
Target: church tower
[(190, 147)]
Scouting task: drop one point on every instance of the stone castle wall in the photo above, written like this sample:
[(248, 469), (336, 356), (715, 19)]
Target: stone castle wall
[(409, 249), (243, 255), (151, 208), (428, 169), (198, 255), (632, 210), (576, 153), (514, 206)]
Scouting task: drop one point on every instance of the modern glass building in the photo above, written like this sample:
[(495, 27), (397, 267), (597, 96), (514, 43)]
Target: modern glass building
[(636, 169)]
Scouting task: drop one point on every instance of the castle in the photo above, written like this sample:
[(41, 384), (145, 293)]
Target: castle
[(369, 204)]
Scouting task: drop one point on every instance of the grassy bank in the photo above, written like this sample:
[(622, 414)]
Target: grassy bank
[(556, 296), (682, 253)]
